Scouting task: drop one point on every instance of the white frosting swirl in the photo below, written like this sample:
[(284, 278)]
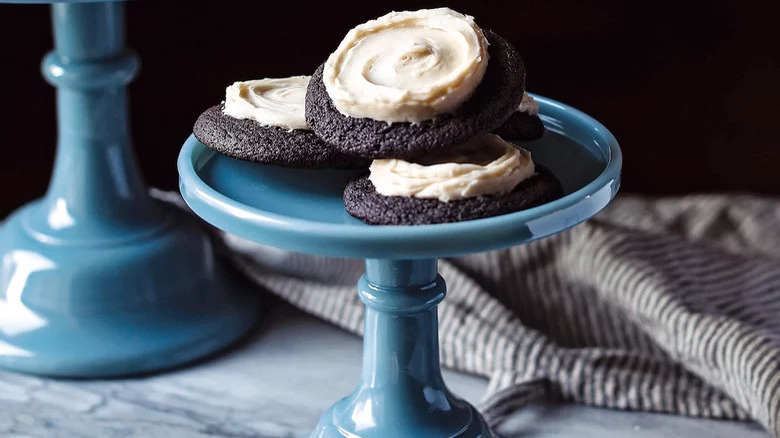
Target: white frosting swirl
[(485, 165), (407, 66), (528, 105), (271, 102)]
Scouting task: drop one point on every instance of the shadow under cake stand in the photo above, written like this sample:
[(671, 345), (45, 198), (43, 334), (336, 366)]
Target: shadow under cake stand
[(97, 278), (401, 393)]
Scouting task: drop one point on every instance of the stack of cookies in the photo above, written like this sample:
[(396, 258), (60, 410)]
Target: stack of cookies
[(421, 98)]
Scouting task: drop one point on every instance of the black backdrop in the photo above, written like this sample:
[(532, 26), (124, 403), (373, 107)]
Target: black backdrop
[(690, 89)]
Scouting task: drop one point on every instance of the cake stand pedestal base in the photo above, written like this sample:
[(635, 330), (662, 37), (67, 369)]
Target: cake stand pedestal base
[(401, 391), (96, 278), (134, 304)]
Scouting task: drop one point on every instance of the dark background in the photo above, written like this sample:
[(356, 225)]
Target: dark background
[(690, 89)]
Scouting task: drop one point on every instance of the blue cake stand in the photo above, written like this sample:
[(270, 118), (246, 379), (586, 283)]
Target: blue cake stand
[(401, 393), (97, 278)]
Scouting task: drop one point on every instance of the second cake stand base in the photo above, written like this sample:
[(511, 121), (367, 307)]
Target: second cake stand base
[(133, 305), (97, 279)]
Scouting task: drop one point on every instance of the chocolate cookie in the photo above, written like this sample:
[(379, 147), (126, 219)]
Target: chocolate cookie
[(493, 101), (363, 202), (249, 140), (521, 126)]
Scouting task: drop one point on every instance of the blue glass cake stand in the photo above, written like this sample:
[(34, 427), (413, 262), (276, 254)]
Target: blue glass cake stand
[(97, 278), (401, 393)]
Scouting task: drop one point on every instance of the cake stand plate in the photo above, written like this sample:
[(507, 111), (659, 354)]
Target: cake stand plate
[(97, 278), (401, 391)]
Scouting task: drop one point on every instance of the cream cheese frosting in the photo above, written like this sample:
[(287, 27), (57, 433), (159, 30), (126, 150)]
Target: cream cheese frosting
[(407, 66), (271, 101), (485, 165), (528, 105)]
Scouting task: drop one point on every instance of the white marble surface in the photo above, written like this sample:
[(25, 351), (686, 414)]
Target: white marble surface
[(276, 385)]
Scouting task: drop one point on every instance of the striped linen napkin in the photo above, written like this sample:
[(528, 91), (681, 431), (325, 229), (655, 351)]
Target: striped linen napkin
[(666, 305)]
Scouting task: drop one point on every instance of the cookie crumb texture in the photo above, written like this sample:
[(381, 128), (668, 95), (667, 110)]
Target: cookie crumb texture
[(494, 101), (522, 127), (363, 202), (249, 140)]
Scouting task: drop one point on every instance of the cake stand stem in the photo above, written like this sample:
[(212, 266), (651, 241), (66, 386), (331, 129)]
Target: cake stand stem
[(96, 191), (401, 392), (97, 278)]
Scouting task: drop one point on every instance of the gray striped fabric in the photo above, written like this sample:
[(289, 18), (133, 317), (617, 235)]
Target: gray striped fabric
[(668, 305)]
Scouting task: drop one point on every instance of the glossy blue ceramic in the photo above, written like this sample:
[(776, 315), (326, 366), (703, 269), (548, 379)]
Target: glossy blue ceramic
[(97, 278), (401, 393), (302, 209)]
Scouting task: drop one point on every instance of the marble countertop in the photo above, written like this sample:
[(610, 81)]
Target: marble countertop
[(275, 385)]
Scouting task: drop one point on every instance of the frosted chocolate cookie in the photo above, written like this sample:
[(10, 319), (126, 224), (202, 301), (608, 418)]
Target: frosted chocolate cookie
[(409, 83), (484, 177), (524, 124), (263, 121)]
